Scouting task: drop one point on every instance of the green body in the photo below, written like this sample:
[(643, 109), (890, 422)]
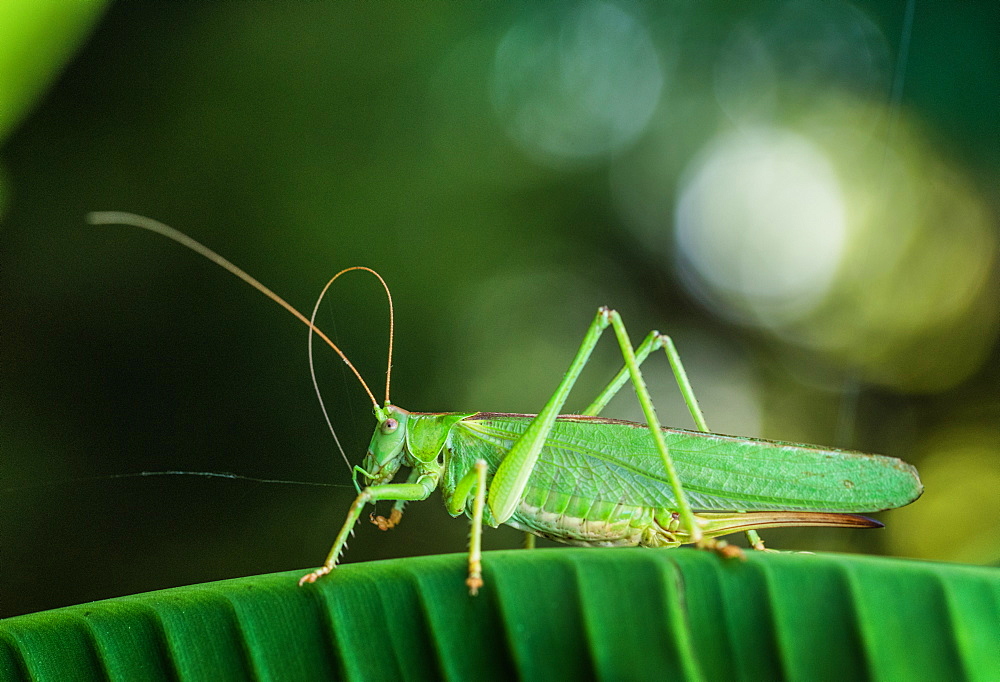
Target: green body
[(585, 480), (600, 482)]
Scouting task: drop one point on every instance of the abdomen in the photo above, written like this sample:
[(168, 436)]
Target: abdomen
[(576, 520)]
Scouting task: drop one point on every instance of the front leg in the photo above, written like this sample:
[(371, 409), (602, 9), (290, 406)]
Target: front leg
[(396, 515), (420, 490)]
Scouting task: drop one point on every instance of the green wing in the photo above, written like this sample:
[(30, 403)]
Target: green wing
[(616, 461)]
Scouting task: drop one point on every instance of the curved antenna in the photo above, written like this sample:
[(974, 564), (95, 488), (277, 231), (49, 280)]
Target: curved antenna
[(123, 218), (312, 322)]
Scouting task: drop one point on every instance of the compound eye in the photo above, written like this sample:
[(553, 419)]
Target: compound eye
[(389, 425)]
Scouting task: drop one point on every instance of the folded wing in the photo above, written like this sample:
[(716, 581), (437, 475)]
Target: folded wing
[(616, 461)]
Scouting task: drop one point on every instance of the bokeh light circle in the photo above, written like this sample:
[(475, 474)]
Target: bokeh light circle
[(572, 84), (761, 224)]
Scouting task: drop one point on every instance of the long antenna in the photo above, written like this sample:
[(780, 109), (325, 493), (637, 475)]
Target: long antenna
[(392, 331), (123, 218)]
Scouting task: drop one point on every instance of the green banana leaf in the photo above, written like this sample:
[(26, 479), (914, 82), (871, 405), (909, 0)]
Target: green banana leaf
[(544, 614)]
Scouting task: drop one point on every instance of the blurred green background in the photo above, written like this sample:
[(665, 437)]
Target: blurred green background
[(804, 195)]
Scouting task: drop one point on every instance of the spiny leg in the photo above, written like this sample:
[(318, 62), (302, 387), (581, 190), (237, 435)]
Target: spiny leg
[(651, 343), (513, 473), (688, 520), (390, 491)]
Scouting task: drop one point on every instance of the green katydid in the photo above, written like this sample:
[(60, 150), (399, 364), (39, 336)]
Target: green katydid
[(586, 480)]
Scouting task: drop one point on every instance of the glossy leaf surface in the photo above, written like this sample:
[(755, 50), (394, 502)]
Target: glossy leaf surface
[(546, 614)]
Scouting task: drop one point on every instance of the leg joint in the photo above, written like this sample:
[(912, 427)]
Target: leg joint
[(607, 314)]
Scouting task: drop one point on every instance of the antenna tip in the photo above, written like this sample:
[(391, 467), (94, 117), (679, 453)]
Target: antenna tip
[(108, 217)]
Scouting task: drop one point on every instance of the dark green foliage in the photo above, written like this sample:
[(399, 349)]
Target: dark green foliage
[(546, 614)]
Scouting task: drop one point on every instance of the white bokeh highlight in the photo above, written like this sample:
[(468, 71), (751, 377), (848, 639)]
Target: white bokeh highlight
[(761, 225)]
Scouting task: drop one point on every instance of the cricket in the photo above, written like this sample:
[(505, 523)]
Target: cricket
[(582, 479)]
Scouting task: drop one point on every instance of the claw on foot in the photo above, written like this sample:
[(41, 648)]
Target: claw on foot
[(395, 516), (314, 576), (722, 548), (475, 579), (727, 551), (474, 582)]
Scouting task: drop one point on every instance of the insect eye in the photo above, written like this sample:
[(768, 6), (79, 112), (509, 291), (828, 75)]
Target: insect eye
[(389, 425)]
